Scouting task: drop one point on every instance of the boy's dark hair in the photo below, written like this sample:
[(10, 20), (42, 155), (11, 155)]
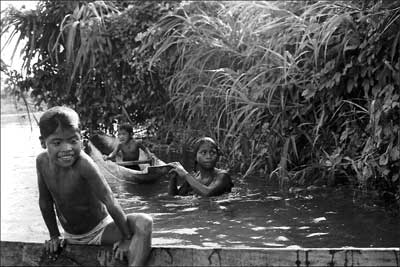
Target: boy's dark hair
[(126, 127), (59, 116)]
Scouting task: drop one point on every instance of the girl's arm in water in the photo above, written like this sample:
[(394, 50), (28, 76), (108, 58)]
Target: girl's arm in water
[(220, 185), (173, 184)]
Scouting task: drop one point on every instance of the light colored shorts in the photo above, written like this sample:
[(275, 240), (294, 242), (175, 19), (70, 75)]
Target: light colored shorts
[(93, 237)]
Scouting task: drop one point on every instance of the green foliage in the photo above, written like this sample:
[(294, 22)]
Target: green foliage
[(12, 81), (87, 56), (304, 91), (299, 90)]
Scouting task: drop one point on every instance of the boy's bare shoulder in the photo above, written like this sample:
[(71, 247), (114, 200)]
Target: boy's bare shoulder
[(85, 160), (42, 158), (85, 163), (134, 141)]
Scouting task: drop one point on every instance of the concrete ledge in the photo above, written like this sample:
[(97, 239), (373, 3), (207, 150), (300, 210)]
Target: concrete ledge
[(32, 254)]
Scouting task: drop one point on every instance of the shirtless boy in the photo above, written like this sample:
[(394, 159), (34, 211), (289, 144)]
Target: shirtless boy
[(71, 186), (128, 146)]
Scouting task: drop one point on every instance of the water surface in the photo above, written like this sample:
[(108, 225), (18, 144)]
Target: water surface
[(252, 215)]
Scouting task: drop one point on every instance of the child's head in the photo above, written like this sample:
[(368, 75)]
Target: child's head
[(206, 153), (59, 116), (60, 134), (125, 132)]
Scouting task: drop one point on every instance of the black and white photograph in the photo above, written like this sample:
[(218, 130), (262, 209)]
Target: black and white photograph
[(200, 133)]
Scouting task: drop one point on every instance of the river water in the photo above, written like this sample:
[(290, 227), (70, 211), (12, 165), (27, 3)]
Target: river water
[(252, 215)]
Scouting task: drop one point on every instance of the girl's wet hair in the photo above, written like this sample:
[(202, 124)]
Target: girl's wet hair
[(201, 141), (59, 116), (126, 127)]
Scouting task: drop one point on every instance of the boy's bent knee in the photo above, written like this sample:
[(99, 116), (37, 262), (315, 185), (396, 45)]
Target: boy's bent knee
[(143, 222), (144, 218)]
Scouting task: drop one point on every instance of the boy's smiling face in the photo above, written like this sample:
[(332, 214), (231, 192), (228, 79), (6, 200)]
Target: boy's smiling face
[(64, 146)]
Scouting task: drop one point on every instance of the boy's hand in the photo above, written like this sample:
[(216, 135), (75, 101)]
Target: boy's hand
[(121, 248), (54, 244), (150, 156)]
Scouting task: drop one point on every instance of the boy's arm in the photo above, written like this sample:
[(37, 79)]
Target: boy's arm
[(145, 149), (114, 152), (103, 192), (46, 205)]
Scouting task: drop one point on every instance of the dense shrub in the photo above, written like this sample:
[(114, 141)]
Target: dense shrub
[(86, 54), (307, 92), (304, 91)]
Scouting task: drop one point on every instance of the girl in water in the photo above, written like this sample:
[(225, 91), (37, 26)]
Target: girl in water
[(207, 180)]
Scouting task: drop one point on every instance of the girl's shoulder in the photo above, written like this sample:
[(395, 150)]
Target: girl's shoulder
[(221, 172), (224, 176)]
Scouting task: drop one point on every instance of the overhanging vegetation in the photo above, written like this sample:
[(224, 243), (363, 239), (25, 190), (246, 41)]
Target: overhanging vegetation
[(305, 92)]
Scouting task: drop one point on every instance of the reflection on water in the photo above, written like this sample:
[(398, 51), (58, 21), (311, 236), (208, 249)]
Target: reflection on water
[(255, 215), (252, 215), (20, 215)]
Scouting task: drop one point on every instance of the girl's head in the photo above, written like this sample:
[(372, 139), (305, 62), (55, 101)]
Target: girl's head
[(125, 132), (206, 153), (60, 134)]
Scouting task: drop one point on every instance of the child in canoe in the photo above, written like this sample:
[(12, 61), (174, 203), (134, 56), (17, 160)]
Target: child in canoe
[(209, 180), (72, 186), (128, 146)]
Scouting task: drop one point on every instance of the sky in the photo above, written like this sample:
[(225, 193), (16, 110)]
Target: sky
[(6, 53)]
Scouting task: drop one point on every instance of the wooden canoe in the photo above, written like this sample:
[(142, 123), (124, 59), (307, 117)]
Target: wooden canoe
[(151, 170), (32, 254)]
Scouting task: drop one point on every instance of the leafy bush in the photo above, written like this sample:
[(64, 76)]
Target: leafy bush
[(303, 91), (86, 54)]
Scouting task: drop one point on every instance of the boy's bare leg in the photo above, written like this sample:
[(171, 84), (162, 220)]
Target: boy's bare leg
[(139, 250), (141, 226)]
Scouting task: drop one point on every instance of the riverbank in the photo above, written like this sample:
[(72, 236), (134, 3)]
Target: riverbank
[(13, 110), (32, 254), (10, 105)]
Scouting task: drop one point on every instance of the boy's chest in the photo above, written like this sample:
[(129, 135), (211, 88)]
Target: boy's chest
[(65, 184), (129, 148)]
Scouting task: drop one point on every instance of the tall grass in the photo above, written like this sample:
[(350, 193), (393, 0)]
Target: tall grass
[(245, 67), (265, 78)]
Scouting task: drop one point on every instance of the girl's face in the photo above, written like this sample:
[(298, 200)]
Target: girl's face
[(123, 136), (64, 146), (207, 155)]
